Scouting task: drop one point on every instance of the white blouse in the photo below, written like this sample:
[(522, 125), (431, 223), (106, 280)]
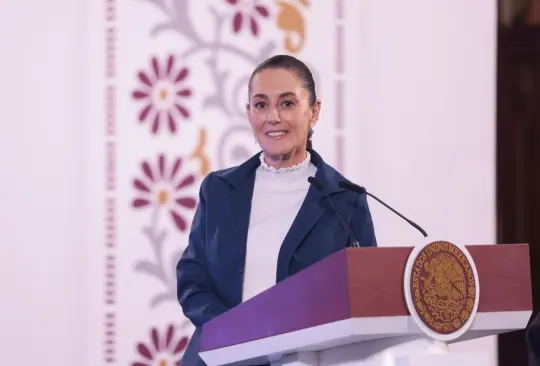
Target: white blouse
[(277, 198)]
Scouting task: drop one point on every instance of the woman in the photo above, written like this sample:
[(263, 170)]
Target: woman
[(261, 222)]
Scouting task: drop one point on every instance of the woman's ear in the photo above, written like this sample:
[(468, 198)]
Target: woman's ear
[(248, 111), (315, 112)]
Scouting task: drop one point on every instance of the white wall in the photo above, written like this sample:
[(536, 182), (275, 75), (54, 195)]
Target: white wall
[(42, 176), (424, 120)]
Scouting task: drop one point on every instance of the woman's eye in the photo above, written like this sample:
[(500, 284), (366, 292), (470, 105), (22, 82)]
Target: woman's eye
[(288, 103), (259, 105)]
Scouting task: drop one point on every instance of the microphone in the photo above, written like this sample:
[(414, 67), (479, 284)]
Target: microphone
[(320, 187), (361, 190)]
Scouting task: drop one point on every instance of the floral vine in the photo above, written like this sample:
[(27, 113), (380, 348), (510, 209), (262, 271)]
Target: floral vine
[(178, 20), (163, 189)]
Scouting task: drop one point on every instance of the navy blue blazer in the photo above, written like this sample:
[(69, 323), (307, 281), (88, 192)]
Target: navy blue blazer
[(210, 271)]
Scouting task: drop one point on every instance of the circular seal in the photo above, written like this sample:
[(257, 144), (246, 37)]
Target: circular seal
[(441, 289)]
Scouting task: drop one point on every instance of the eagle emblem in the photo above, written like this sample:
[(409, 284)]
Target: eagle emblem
[(443, 287)]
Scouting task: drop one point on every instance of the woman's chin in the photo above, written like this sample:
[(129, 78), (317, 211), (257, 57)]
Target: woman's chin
[(277, 150)]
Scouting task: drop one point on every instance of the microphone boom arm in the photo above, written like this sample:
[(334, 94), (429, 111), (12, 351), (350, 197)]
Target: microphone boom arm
[(361, 190), (400, 215)]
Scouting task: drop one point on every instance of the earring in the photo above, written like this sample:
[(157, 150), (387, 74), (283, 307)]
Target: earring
[(310, 133), (255, 140)]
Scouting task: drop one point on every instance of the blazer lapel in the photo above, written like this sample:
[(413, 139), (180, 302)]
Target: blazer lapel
[(240, 181), (239, 210), (310, 212)]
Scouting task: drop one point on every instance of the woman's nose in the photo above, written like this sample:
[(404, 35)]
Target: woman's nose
[(273, 116)]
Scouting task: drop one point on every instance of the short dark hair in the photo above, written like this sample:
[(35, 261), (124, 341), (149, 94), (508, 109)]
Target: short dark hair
[(302, 71)]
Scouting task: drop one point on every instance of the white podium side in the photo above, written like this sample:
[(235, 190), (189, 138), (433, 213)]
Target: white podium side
[(362, 342)]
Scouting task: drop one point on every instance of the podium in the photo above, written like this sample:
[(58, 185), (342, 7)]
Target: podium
[(355, 308)]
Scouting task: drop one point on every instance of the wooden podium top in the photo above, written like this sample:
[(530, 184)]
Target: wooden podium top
[(363, 283)]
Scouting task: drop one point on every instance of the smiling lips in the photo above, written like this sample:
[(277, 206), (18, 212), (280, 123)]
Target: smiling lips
[(276, 134)]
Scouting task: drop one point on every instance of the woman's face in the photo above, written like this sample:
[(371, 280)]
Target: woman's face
[(280, 115)]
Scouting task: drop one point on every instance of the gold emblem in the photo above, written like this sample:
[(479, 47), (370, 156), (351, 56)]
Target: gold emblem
[(443, 287)]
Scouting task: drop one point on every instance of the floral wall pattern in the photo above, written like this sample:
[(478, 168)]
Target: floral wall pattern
[(162, 92), (175, 88)]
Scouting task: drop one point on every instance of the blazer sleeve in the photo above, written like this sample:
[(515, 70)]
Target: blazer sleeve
[(362, 223), (198, 301)]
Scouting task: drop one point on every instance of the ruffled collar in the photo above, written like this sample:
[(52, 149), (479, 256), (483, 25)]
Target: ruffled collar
[(298, 167)]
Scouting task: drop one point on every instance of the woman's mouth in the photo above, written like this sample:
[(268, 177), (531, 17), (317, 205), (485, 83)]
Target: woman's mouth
[(276, 134)]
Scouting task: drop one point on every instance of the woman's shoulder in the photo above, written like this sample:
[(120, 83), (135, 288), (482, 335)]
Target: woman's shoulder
[(238, 173), (232, 176)]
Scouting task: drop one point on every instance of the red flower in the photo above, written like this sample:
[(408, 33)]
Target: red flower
[(161, 186), (162, 351), (246, 11), (161, 91)]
